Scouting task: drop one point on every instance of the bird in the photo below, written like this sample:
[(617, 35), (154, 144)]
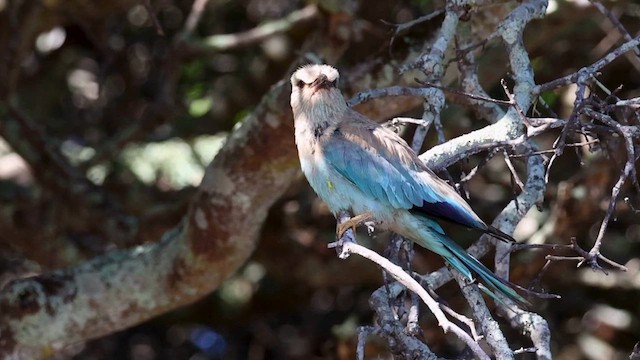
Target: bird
[(359, 166)]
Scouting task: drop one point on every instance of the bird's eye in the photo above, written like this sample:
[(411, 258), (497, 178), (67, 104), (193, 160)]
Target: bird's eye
[(300, 84), (334, 83)]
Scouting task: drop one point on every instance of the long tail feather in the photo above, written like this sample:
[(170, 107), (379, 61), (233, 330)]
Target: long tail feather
[(464, 263), (489, 278), (498, 234)]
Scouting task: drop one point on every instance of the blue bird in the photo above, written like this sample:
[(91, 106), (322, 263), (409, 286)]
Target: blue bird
[(356, 165)]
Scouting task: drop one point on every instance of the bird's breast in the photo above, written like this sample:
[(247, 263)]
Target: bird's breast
[(335, 190), (321, 177)]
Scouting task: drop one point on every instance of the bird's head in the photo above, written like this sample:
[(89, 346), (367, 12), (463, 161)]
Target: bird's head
[(314, 89)]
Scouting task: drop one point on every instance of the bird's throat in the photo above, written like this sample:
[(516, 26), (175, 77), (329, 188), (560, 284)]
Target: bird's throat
[(319, 128)]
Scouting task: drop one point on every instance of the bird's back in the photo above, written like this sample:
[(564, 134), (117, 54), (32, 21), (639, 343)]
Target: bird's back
[(378, 160)]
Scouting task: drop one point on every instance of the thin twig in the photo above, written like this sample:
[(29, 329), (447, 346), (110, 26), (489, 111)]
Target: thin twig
[(406, 120), (581, 83), (462, 93), (411, 284), (226, 42), (514, 103), (469, 81), (197, 9), (463, 319), (154, 18), (615, 191), (371, 94), (629, 171), (629, 102), (542, 152), (399, 29), (523, 246), (512, 169), (490, 154), (592, 69), (537, 281), (630, 205), (585, 256), (523, 350), (615, 21), (363, 334)]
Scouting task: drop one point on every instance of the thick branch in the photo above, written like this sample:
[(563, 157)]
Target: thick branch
[(126, 287), (118, 290)]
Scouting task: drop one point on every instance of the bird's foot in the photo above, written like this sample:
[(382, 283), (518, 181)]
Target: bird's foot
[(352, 223), (371, 227)]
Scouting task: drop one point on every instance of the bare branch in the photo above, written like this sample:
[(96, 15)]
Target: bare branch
[(479, 98), (512, 169), (197, 9), (226, 42), (363, 333), (400, 29), (615, 21), (490, 328), (371, 94), (122, 288), (406, 280), (591, 70), (469, 81), (154, 18)]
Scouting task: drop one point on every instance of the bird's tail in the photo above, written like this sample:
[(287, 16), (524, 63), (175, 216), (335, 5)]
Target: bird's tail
[(465, 264), (499, 234)]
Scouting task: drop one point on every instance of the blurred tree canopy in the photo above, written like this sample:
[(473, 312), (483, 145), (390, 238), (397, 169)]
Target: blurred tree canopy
[(147, 159)]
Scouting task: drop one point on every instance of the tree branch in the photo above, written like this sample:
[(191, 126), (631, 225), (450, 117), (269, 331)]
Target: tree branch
[(226, 42), (124, 288), (405, 279)]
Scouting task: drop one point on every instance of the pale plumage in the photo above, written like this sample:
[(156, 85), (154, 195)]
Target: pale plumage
[(356, 165)]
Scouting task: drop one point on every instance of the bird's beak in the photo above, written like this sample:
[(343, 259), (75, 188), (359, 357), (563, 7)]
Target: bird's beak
[(322, 82)]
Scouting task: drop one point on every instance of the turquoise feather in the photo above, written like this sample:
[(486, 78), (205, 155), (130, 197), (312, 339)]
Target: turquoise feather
[(356, 165)]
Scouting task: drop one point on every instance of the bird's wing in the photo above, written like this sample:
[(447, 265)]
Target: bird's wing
[(382, 165)]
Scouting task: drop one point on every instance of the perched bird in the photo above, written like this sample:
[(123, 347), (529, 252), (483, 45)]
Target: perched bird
[(356, 165)]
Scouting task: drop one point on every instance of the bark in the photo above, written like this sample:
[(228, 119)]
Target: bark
[(123, 288), (120, 289)]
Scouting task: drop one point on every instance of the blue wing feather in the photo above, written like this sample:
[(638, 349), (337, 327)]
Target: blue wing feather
[(372, 174), (386, 177), (398, 178)]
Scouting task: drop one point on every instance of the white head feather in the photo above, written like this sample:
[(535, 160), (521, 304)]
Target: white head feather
[(315, 95)]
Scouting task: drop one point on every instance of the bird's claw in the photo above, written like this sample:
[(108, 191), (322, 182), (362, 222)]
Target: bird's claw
[(342, 228), (371, 227), (352, 223)]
